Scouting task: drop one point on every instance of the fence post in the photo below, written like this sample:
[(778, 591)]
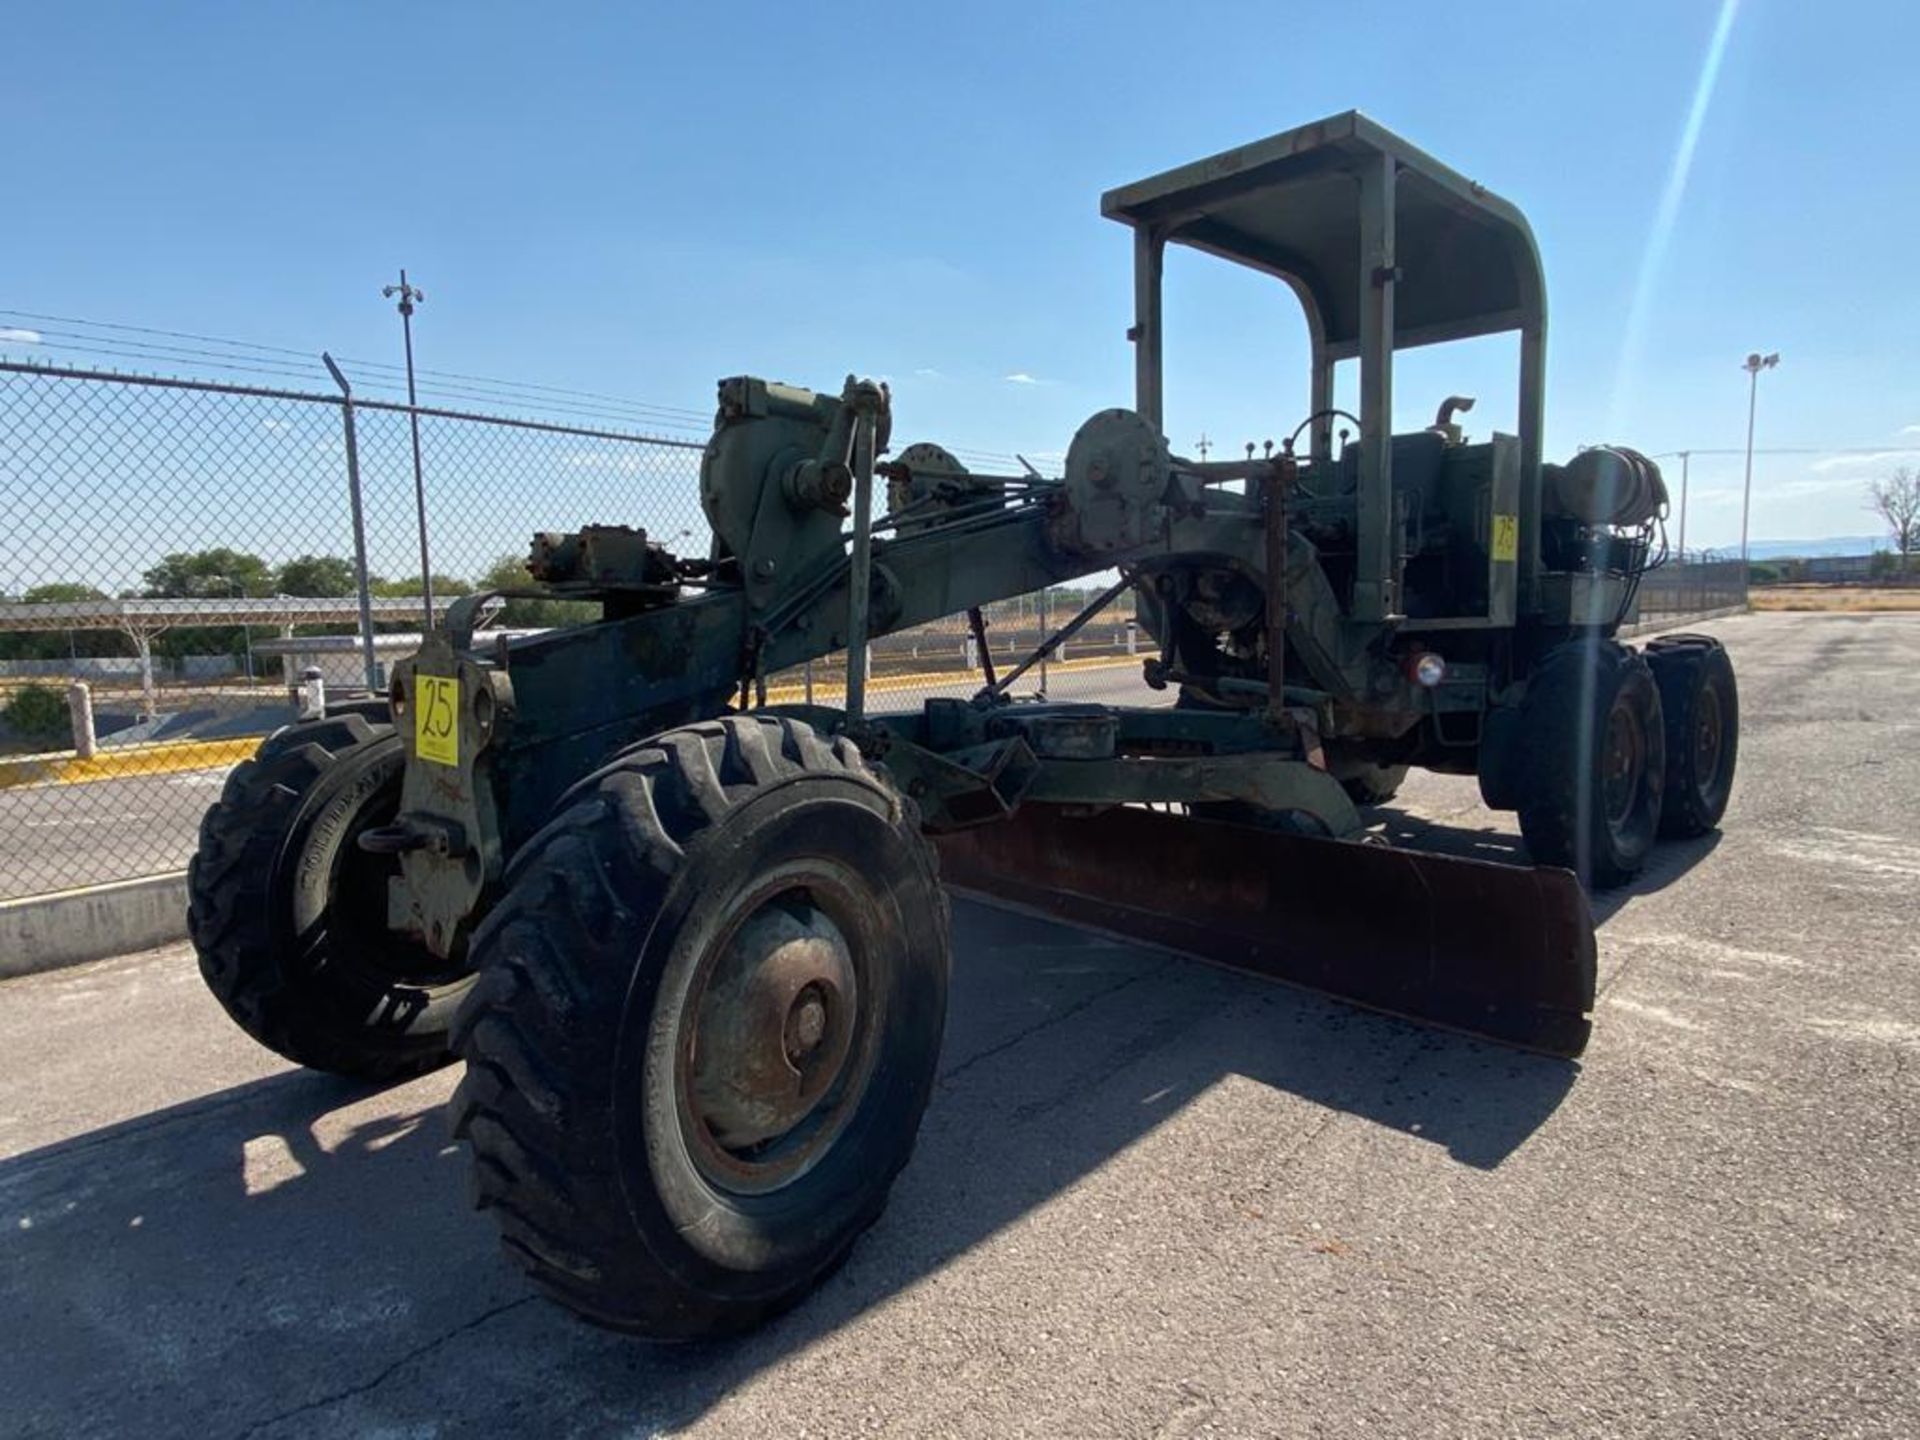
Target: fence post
[(1040, 611), (313, 693), (149, 690), (360, 580), (80, 707)]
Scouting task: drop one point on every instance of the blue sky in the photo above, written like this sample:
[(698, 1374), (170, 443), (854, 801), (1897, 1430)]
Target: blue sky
[(639, 199)]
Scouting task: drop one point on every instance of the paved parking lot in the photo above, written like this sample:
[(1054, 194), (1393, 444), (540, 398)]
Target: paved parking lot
[(1150, 1198)]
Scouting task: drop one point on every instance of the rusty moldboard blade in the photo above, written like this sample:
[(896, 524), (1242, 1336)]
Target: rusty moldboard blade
[(1498, 950)]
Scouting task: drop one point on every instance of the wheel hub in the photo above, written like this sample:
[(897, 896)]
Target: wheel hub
[(1706, 740), (1623, 764), (775, 1024)]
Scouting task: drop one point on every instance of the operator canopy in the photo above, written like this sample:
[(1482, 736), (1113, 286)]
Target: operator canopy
[(1288, 205)]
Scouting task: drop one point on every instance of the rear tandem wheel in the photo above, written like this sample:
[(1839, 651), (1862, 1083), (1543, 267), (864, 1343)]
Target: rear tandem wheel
[(289, 915), (1594, 768), (707, 1022), (1701, 703)]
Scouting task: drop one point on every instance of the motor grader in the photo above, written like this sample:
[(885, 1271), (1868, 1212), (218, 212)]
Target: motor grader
[(693, 946)]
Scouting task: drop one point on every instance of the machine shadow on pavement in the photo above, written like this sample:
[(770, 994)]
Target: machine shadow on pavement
[(1670, 859), (295, 1255)]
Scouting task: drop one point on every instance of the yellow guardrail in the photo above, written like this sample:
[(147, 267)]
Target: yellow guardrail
[(177, 756), (117, 764)]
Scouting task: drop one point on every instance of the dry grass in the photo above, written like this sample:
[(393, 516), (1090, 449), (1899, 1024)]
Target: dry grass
[(1846, 599)]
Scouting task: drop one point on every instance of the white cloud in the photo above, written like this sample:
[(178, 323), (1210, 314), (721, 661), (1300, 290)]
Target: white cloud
[(1910, 429), (12, 336), (1856, 462), (1020, 377), (927, 372), (1810, 486)]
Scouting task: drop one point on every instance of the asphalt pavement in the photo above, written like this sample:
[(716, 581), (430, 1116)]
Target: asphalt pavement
[(58, 836), (1150, 1198)]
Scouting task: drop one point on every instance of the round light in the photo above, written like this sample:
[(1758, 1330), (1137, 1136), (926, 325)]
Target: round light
[(1427, 669)]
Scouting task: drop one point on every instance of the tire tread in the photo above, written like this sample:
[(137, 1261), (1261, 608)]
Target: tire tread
[(230, 912), (549, 1002)]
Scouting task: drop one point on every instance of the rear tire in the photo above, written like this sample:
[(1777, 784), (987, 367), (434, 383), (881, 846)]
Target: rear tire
[(1594, 762), (1701, 703), (707, 1023), (289, 914), (1501, 763)]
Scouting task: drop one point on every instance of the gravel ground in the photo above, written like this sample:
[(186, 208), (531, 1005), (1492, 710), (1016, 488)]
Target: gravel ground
[(1150, 1198)]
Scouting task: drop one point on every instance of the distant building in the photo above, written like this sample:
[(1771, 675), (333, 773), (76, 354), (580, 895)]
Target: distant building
[(341, 659), (1839, 569)]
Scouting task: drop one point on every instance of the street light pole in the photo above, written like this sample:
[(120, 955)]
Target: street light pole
[(1754, 364), (410, 296), (1686, 461)]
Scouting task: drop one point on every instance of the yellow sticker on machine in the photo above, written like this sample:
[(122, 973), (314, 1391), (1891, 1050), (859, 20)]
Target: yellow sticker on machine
[(436, 719), (1506, 537)]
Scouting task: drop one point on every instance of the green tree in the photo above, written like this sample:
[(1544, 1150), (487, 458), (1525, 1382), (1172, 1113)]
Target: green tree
[(57, 644), (409, 586), (208, 574), (38, 713), (63, 593), (509, 572), (317, 577), (218, 574)]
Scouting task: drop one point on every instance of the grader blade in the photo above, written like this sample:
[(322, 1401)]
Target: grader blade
[(1499, 951)]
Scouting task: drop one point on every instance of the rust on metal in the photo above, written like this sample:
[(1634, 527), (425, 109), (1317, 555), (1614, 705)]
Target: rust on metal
[(775, 1025), (1500, 951)]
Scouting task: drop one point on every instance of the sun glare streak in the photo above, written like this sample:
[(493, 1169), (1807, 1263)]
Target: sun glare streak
[(1668, 214)]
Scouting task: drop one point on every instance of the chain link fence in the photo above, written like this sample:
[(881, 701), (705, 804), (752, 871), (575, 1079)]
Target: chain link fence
[(186, 550), (1691, 586), (180, 553)]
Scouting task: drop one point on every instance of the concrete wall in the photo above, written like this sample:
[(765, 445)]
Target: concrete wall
[(45, 932)]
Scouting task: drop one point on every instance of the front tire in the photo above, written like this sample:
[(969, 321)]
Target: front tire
[(707, 1023), (289, 915), (1594, 765)]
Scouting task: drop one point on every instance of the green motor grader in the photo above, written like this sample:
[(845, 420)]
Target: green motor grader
[(692, 947)]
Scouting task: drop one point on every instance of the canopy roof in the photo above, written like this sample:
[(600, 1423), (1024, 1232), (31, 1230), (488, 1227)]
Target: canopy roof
[(157, 615), (1290, 205)]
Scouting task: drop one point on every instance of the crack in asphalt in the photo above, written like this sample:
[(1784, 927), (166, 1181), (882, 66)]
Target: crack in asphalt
[(349, 1392), (1057, 1017)]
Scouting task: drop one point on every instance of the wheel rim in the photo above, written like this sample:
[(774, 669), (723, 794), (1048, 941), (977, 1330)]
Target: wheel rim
[(1625, 762), (777, 1048), (1708, 742)]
